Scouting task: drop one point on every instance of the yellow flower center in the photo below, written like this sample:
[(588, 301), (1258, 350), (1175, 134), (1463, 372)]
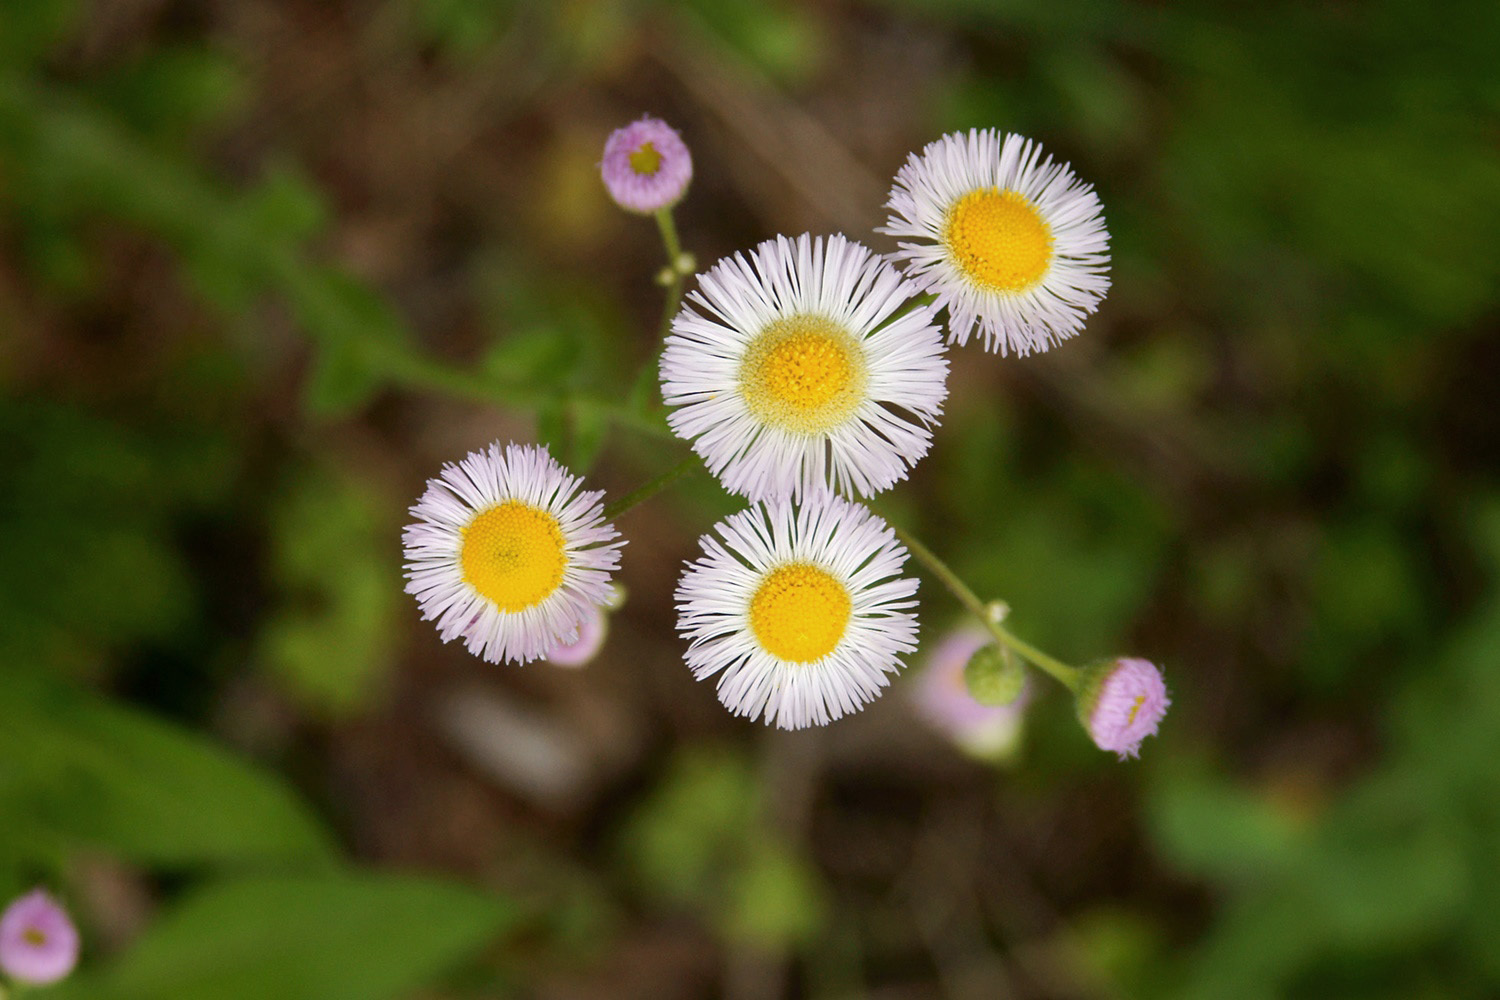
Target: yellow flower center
[(513, 555), (645, 160), (33, 937), (998, 239), (1135, 709), (800, 612), (804, 374)]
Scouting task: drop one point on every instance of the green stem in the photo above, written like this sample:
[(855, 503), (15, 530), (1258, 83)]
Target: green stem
[(1066, 675), (413, 370), (640, 387), (668, 228), (650, 488), (926, 298)]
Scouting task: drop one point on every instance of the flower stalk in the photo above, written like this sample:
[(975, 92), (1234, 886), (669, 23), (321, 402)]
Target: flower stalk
[(1064, 674)]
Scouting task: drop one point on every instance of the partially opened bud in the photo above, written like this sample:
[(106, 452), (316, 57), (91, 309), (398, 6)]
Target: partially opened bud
[(646, 166), (1121, 702), (994, 676), (38, 942)]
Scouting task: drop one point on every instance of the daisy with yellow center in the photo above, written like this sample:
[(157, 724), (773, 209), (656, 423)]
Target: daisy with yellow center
[(1012, 244), (508, 554), (799, 610), (792, 371)]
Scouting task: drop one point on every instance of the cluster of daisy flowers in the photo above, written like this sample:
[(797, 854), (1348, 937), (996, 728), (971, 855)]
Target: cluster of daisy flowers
[(807, 374)]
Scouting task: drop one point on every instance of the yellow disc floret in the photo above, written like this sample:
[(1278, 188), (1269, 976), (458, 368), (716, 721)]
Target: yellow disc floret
[(998, 240), (803, 373), (646, 160), (513, 555), (800, 612)]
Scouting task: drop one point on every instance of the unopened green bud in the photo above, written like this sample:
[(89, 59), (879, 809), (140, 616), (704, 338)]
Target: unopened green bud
[(994, 676)]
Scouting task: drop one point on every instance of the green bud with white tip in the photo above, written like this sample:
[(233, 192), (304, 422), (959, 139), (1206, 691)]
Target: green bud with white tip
[(994, 676)]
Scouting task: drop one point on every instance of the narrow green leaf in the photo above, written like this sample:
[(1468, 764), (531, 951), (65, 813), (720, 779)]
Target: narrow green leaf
[(346, 936), (342, 380), (87, 773)]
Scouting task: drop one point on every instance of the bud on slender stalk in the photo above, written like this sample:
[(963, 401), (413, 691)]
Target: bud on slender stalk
[(941, 694), (994, 676), (646, 166), (1121, 702)]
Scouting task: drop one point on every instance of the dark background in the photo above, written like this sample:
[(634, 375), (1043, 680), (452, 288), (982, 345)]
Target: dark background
[(265, 265)]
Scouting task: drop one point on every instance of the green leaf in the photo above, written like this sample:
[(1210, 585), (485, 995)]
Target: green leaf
[(342, 381), (286, 206), (1209, 827), (543, 356), (552, 429), (328, 937), (775, 900), (29, 30), (330, 636), (89, 774), (590, 427)]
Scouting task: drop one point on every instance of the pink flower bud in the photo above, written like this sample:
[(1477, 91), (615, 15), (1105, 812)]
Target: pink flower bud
[(38, 943), (646, 166), (591, 633), (1121, 702)]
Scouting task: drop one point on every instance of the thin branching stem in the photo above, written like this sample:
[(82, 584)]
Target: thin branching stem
[(1066, 675)]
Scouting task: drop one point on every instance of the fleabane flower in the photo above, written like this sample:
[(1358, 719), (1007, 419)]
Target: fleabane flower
[(646, 166), (508, 553), (38, 942), (1013, 244), (797, 371), (941, 697), (1121, 702), (800, 610)]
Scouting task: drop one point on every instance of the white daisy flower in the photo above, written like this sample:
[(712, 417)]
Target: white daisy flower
[(508, 554), (800, 610), (1010, 242), (799, 373)]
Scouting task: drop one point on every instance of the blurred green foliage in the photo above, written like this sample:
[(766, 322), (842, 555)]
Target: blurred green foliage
[(89, 774), (333, 639), (329, 937), (702, 839)]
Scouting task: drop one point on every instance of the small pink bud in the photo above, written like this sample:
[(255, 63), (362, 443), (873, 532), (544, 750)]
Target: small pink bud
[(591, 633), (1121, 702), (646, 166), (38, 943)]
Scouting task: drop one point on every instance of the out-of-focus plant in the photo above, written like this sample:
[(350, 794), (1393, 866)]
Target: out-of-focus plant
[(702, 840)]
